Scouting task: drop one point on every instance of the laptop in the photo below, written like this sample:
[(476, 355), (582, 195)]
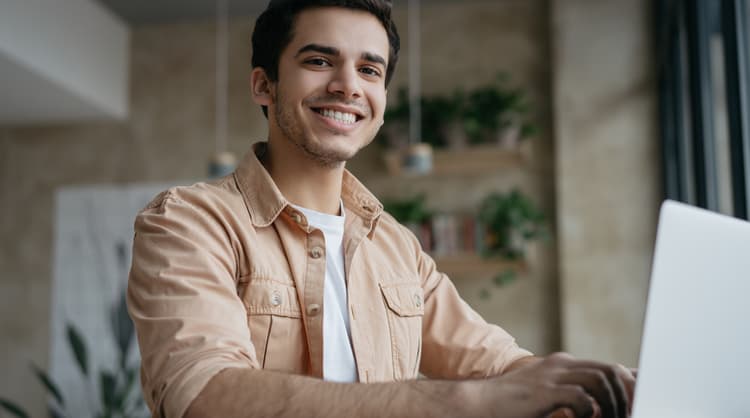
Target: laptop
[(695, 351)]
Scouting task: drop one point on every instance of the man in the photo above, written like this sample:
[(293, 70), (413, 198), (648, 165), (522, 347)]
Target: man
[(278, 290)]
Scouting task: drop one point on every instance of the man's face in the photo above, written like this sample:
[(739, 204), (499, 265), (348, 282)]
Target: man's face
[(330, 95)]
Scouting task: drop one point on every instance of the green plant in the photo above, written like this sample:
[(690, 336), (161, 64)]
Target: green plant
[(510, 221), (394, 133), (437, 113), (119, 396), (491, 108), (398, 111), (411, 210), (481, 113)]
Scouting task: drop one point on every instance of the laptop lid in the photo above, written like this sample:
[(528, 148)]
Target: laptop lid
[(695, 351)]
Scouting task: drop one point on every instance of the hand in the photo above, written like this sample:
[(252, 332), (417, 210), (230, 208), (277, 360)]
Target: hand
[(626, 375), (585, 388)]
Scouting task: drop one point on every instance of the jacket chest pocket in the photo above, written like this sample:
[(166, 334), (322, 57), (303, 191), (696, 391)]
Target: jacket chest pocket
[(276, 329), (405, 309)]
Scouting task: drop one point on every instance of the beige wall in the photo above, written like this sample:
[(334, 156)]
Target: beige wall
[(608, 181), (606, 222)]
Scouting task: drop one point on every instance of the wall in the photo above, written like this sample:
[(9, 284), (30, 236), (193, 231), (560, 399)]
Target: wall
[(62, 61), (608, 175)]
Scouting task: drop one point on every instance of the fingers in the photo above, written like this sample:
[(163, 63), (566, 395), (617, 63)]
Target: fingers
[(600, 380), (628, 376), (571, 399), (567, 387), (562, 413), (595, 382)]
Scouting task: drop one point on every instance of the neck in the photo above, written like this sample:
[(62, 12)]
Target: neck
[(301, 180)]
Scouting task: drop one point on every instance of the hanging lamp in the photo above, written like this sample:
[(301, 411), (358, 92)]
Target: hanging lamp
[(418, 156), (223, 162)]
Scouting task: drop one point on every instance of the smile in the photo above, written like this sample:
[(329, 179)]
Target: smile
[(341, 117)]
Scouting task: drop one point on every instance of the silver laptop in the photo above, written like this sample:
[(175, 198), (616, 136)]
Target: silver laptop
[(695, 352)]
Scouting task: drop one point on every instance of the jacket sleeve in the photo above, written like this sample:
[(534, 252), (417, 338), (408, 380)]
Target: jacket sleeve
[(183, 300), (456, 341)]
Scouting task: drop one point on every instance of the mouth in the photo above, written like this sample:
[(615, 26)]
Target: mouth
[(339, 116)]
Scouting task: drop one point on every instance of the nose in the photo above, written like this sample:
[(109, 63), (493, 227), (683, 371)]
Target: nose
[(346, 83)]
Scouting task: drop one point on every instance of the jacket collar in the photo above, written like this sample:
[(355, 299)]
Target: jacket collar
[(265, 201)]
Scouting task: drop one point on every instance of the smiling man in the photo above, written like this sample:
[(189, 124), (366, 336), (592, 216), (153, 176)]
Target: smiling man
[(284, 290)]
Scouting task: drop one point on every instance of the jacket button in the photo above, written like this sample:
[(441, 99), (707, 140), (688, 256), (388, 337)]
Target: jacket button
[(316, 252), (417, 300), (313, 309), (276, 299), (297, 218)]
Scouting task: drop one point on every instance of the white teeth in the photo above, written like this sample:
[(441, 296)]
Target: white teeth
[(342, 117)]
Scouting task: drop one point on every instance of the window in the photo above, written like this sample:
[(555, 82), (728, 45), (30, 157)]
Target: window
[(704, 89)]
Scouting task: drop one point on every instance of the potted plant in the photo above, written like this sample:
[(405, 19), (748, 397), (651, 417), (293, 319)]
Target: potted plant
[(403, 153), (497, 113), (394, 133), (412, 213), (408, 211), (441, 120), (510, 221), (120, 395)]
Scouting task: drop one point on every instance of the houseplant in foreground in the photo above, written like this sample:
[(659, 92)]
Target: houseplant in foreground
[(119, 396)]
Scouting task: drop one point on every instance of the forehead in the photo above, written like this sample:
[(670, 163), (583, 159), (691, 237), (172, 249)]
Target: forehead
[(351, 31)]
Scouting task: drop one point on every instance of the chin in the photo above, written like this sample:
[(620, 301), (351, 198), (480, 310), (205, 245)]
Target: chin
[(329, 156), (343, 146)]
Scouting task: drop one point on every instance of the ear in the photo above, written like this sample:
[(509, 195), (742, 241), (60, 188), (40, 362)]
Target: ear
[(261, 86)]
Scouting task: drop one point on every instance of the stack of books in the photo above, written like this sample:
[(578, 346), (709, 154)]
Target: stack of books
[(448, 234)]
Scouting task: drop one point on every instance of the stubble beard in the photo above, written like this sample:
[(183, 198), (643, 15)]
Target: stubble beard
[(292, 129)]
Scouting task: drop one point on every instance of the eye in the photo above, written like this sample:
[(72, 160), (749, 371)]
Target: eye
[(317, 62), (370, 71)]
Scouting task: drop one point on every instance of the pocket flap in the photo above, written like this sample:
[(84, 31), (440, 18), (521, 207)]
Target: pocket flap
[(268, 297), (405, 299)]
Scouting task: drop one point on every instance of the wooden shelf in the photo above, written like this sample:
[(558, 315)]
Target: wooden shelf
[(454, 167), (479, 159), (474, 160), (470, 266)]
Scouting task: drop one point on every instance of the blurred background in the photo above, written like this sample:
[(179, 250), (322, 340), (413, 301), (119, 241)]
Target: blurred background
[(528, 144)]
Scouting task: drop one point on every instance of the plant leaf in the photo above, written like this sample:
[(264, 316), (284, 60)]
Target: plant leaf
[(504, 278), (130, 379), (79, 349), (108, 388), (122, 328), (54, 412), (13, 409), (49, 384)]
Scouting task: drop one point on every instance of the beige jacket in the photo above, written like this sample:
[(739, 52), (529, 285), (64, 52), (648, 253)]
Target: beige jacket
[(228, 274)]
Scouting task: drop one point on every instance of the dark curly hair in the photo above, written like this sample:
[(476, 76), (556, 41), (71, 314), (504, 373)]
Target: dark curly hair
[(274, 30)]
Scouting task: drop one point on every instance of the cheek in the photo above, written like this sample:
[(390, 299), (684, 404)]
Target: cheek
[(378, 103)]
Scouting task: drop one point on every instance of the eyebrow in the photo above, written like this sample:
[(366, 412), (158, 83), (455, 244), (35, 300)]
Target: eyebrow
[(374, 58), (329, 50)]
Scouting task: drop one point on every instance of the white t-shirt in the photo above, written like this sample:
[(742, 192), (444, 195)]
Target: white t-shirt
[(338, 358)]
